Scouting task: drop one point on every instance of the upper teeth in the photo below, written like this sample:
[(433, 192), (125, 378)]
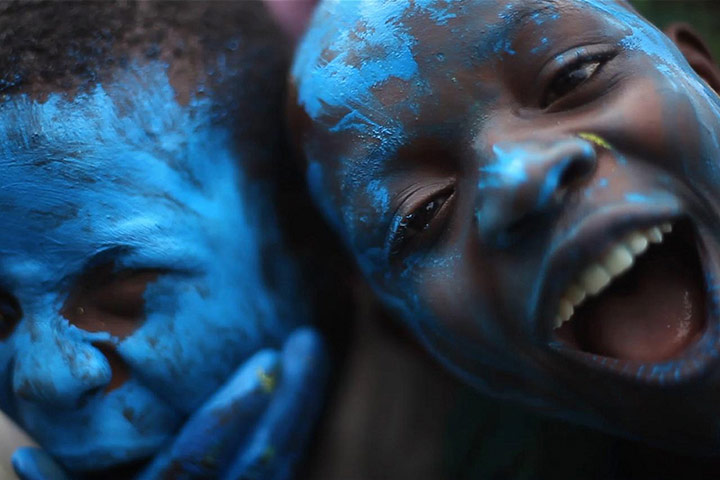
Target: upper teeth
[(617, 260)]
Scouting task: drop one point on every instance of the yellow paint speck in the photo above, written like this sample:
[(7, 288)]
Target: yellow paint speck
[(267, 380), (596, 139)]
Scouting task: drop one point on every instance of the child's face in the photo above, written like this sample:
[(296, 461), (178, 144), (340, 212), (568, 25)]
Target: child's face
[(129, 265), (482, 157)]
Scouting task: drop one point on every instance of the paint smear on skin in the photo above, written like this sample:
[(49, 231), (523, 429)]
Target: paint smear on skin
[(380, 197), (355, 28), (351, 49), (552, 182), (543, 46), (358, 176), (508, 168), (438, 11), (501, 39), (641, 34), (128, 170), (652, 198), (502, 179), (637, 198)]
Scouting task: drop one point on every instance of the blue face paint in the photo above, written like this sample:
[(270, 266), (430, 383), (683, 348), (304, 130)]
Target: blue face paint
[(525, 164), (124, 175)]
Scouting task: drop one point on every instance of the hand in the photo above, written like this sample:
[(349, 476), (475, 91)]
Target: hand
[(254, 427)]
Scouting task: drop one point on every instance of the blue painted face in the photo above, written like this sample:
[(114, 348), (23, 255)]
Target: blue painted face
[(499, 168), (131, 266)]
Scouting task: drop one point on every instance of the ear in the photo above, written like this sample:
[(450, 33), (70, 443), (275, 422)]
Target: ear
[(696, 52)]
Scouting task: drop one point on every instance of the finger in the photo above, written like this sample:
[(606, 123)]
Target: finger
[(283, 431), (32, 463), (212, 434)]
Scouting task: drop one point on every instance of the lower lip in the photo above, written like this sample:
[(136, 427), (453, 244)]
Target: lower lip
[(691, 365)]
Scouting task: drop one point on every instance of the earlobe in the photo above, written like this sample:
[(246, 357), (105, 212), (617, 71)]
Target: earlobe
[(696, 52)]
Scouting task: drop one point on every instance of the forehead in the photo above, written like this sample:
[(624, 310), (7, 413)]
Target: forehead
[(133, 123), (352, 47), (123, 165), (368, 71)]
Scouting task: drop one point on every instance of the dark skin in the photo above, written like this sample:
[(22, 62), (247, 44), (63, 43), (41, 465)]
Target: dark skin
[(476, 185)]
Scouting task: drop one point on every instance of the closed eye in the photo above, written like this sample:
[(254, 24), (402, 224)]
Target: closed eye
[(105, 300)]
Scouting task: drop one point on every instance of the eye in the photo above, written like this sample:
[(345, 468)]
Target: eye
[(420, 227), (109, 301), (581, 69), (123, 295)]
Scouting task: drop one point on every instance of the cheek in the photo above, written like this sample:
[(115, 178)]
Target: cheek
[(704, 109), (454, 299), (659, 118), (689, 131), (463, 322), (457, 299), (638, 119), (195, 334)]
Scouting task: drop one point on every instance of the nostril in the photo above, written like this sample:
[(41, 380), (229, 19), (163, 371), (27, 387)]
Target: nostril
[(577, 171), (119, 370), (526, 184)]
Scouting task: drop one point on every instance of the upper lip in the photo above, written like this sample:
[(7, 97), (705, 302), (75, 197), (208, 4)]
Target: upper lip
[(585, 242)]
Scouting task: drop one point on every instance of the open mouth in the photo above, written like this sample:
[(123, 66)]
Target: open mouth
[(642, 302)]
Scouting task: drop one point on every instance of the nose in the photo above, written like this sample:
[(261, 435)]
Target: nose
[(57, 370), (529, 178)]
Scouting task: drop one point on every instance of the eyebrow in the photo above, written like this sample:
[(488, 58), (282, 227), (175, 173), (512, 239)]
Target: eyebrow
[(531, 9), (499, 35)]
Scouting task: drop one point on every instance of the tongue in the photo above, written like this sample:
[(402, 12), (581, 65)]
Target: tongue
[(652, 313)]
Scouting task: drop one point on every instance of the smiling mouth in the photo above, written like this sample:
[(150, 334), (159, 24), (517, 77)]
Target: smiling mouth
[(643, 301)]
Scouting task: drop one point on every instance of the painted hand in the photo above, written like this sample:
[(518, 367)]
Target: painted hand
[(254, 427)]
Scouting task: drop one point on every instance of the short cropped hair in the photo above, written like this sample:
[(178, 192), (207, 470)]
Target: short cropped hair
[(51, 46)]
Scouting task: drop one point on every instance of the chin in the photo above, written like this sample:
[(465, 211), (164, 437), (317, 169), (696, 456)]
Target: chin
[(127, 425)]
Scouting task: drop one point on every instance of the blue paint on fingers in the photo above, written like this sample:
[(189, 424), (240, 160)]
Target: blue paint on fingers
[(277, 443), (214, 432), (32, 463)]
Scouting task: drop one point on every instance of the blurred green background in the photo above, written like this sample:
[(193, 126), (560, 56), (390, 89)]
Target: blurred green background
[(704, 15)]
